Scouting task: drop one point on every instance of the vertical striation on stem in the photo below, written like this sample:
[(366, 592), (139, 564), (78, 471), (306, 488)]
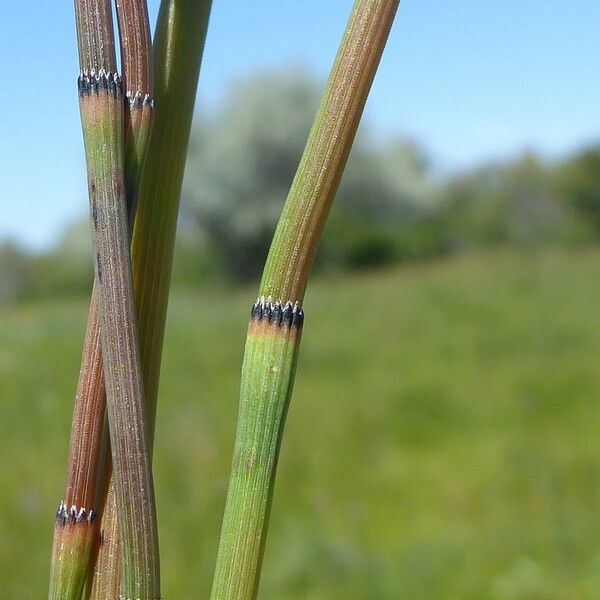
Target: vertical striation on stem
[(329, 143), (74, 538), (101, 106), (178, 46), (136, 56), (273, 339), (89, 462)]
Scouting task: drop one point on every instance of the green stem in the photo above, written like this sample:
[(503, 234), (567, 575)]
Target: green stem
[(86, 483), (101, 105), (178, 46), (76, 525), (329, 142), (268, 370), (273, 339)]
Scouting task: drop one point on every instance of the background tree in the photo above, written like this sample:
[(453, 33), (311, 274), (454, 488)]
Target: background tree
[(391, 205), (514, 203), (15, 273), (236, 184), (579, 182)]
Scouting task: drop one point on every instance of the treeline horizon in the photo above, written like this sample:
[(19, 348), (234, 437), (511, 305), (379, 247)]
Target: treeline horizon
[(391, 207)]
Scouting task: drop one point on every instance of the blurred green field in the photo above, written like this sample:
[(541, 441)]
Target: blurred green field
[(442, 443)]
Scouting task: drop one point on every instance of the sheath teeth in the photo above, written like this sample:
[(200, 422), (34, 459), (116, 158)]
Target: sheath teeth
[(74, 514), (90, 83), (277, 313)]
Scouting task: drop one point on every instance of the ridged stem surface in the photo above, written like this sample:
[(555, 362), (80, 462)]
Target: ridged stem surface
[(89, 437), (273, 337), (101, 105), (178, 46), (136, 45), (136, 58), (76, 526), (325, 155), (270, 359), (95, 35)]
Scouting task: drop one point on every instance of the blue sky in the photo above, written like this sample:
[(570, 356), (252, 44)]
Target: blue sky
[(472, 81)]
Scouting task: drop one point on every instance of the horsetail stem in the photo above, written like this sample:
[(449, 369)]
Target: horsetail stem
[(276, 319), (88, 444), (268, 370), (104, 579), (329, 143), (136, 45), (178, 46), (95, 35), (73, 536), (101, 106), (136, 57)]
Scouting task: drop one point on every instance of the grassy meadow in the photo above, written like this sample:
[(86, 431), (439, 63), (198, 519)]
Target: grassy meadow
[(443, 440)]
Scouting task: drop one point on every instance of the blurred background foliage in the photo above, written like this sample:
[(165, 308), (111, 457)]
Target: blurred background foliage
[(442, 442), (392, 206)]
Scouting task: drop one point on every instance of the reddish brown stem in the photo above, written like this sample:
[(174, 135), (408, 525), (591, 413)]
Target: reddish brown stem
[(74, 535)]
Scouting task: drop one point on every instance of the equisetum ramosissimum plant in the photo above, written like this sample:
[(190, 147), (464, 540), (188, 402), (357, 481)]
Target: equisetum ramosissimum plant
[(277, 317), (136, 129)]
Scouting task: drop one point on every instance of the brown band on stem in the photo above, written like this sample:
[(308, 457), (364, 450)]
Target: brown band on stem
[(265, 329)]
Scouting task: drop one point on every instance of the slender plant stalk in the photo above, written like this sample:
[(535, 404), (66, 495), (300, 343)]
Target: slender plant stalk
[(101, 106), (76, 524), (136, 58), (89, 436), (136, 55), (105, 577), (95, 35), (178, 46), (276, 318)]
